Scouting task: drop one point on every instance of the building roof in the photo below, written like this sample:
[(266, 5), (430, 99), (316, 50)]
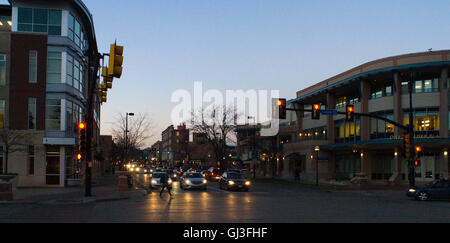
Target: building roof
[(406, 61)]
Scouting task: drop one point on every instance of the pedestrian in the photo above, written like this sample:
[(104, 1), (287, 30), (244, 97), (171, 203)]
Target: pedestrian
[(165, 184)]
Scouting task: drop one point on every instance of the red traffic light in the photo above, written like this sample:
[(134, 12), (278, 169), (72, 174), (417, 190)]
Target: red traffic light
[(82, 126), (280, 102), (79, 156), (316, 107), (418, 149), (416, 163), (350, 109)]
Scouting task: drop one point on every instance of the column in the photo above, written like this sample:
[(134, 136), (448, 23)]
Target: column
[(397, 102), (299, 115), (443, 118), (365, 121), (331, 103), (62, 166), (444, 164)]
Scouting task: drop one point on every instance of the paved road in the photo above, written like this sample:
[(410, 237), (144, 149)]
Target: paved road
[(265, 203)]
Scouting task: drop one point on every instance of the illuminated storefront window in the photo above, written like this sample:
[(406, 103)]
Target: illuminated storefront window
[(426, 122), (347, 131), (380, 128)]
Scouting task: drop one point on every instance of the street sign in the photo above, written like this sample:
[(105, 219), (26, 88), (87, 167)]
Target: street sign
[(329, 112), (323, 158)]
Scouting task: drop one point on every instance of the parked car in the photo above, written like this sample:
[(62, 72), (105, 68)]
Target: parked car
[(213, 174), (234, 181), (156, 180), (439, 189), (193, 180)]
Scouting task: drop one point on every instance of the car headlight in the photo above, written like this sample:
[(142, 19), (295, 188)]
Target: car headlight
[(231, 182), (205, 181), (412, 190), (151, 170), (247, 183), (145, 171), (175, 176), (188, 181), (170, 181), (131, 169), (154, 181)]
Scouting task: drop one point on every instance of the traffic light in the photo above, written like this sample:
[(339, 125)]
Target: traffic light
[(82, 139), (350, 111), (417, 163), (115, 61), (418, 150), (316, 112), (406, 146), (102, 93), (107, 80), (279, 109)]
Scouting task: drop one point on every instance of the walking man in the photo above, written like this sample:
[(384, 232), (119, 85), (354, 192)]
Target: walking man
[(165, 184)]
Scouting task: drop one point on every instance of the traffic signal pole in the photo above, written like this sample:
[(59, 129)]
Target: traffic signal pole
[(412, 174)]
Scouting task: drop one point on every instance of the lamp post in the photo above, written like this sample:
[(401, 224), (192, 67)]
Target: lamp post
[(126, 136), (317, 149)]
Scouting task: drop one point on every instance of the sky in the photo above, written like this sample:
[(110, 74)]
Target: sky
[(284, 45)]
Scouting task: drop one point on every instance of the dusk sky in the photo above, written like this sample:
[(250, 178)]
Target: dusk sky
[(251, 44)]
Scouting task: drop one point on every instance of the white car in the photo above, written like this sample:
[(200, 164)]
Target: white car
[(156, 180), (193, 180)]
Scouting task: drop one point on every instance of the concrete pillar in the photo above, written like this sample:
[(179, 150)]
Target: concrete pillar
[(331, 103), (62, 166), (397, 101), (444, 164), (299, 115), (443, 117), (365, 121)]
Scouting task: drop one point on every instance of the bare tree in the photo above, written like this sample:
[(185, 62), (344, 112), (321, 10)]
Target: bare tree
[(218, 124), (140, 129), (13, 141)]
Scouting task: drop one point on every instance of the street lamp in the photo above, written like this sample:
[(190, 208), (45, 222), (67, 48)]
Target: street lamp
[(317, 149), (126, 135)]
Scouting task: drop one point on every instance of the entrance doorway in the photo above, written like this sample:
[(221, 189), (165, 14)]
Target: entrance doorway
[(52, 165)]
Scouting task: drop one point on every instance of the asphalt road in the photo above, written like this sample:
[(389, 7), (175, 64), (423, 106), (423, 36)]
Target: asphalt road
[(265, 203)]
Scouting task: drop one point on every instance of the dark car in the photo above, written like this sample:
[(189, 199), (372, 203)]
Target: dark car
[(439, 189), (213, 174), (234, 181)]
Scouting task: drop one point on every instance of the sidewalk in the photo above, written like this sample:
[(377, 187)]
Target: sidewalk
[(105, 190)]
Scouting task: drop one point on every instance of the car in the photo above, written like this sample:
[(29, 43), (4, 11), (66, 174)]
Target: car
[(156, 180), (213, 174), (439, 189), (234, 181), (144, 170), (193, 180)]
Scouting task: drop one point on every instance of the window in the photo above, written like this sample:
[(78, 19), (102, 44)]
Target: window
[(53, 115), (39, 20), (30, 164), (2, 113), (76, 32), (426, 122), (32, 113), (54, 68), (69, 116), (2, 69), (32, 70), (380, 128), (74, 75)]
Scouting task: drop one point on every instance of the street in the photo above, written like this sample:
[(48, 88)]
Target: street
[(265, 203)]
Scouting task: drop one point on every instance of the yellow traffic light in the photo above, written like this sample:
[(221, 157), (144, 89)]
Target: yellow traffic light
[(115, 61)]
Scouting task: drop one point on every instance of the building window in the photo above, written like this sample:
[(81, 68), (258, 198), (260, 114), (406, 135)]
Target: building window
[(341, 102), (32, 113), (69, 116), (31, 157), (426, 122), (53, 115), (32, 67), (1, 160), (54, 68), (347, 131), (76, 33), (39, 20), (380, 128), (52, 169), (2, 113), (75, 73), (2, 69)]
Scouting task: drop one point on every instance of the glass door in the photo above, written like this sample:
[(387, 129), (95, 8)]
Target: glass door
[(52, 165)]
